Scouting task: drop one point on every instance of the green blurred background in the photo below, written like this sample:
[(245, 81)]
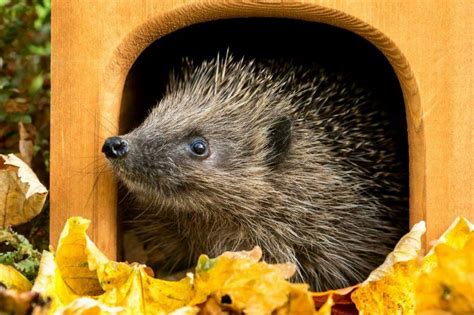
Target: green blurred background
[(25, 47)]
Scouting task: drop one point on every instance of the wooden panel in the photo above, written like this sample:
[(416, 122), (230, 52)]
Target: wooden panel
[(95, 43)]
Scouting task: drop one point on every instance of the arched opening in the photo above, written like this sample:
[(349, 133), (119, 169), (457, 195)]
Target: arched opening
[(281, 38), (276, 38)]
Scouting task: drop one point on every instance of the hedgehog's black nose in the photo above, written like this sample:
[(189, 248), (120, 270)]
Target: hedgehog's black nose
[(115, 147)]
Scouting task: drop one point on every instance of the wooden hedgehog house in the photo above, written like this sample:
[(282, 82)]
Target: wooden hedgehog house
[(97, 45)]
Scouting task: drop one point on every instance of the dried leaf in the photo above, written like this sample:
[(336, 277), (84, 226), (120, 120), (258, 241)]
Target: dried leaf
[(408, 248), (132, 287), (27, 137), (80, 269), (341, 300), (89, 306), (50, 283), (77, 258), (12, 279), (455, 236), (389, 289), (299, 302), (187, 310), (447, 279), (211, 307), (326, 309), (393, 294), (242, 283), (17, 105), (443, 281), (22, 196), (19, 303)]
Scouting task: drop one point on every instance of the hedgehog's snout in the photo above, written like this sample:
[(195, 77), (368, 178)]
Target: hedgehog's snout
[(115, 147)]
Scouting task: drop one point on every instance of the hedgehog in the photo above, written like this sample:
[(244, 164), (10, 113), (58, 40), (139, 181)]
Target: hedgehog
[(300, 160)]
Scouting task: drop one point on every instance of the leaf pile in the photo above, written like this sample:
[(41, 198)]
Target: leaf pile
[(79, 279)]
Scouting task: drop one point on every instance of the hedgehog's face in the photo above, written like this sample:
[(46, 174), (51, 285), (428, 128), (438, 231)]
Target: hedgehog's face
[(204, 162)]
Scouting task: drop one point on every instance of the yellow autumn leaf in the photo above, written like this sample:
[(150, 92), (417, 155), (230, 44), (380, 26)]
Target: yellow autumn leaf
[(455, 236), (340, 300), (22, 196), (408, 248), (446, 282), (125, 286), (12, 279), (50, 283), (134, 288), (299, 302), (389, 289), (393, 294), (79, 270), (242, 283), (77, 258), (186, 310), (89, 306), (440, 283)]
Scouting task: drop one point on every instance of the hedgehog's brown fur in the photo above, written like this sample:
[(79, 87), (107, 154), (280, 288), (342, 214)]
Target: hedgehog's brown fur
[(303, 163)]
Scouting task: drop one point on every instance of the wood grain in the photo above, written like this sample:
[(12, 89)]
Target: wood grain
[(428, 43)]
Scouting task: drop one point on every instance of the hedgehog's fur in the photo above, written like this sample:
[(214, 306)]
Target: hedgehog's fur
[(303, 163)]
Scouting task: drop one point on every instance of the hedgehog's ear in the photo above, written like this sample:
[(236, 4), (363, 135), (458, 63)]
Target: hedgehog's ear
[(279, 141)]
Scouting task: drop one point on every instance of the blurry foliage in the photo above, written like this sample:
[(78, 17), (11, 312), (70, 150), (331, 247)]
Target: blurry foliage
[(25, 45), (16, 251)]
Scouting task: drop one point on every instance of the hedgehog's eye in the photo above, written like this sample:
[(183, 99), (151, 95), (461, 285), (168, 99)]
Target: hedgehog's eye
[(199, 147)]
